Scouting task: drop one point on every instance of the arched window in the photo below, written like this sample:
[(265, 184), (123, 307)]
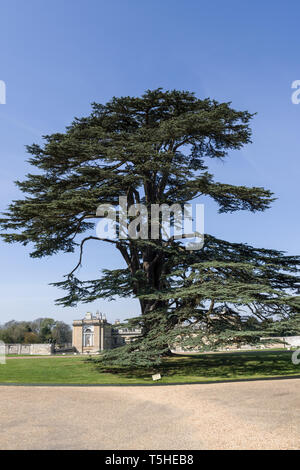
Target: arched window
[(88, 337)]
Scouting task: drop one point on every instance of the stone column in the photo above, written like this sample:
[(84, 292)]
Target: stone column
[(77, 340)]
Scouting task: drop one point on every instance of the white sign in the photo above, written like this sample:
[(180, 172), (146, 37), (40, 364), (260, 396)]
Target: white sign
[(156, 377)]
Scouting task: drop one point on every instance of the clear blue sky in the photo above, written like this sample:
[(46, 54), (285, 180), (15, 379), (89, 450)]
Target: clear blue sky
[(58, 56)]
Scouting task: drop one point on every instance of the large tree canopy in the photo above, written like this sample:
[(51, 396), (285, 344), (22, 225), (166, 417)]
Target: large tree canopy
[(155, 149)]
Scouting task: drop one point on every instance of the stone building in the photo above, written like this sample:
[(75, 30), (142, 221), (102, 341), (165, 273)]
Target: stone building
[(93, 334)]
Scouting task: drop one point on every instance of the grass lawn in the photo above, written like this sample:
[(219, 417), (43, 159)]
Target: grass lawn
[(187, 368)]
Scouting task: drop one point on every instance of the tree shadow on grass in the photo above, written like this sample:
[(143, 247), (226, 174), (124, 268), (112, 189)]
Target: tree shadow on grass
[(214, 366)]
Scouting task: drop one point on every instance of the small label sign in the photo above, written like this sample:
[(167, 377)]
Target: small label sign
[(156, 377)]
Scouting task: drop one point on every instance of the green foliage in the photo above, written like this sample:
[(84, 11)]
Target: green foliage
[(30, 337), (42, 330), (156, 149), (174, 369)]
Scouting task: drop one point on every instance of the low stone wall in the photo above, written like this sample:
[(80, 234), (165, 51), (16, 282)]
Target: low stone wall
[(30, 349), (283, 341), (278, 342), (292, 340)]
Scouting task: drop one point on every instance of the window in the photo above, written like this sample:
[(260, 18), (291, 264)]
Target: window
[(88, 338)]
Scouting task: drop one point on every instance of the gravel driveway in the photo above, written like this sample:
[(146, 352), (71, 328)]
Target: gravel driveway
[(245, 415)]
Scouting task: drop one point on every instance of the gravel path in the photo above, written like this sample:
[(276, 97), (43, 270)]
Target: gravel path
[(245, 415)]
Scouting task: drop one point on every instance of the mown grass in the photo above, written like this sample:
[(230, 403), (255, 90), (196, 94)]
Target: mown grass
[(179, 368)]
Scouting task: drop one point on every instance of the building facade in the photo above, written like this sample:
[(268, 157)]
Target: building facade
[(94, 334)]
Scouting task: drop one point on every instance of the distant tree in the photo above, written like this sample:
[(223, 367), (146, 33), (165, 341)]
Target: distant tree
[(14, 332), (31, 338), (46, 329), (42, 330), (61, 333), (5, 336), (36, 325)]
